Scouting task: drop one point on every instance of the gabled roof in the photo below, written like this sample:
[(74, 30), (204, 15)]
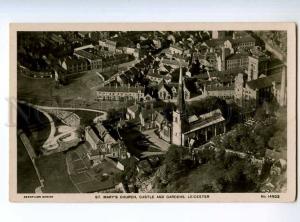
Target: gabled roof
[(206, 120), (247, 38), (192, 118), (133, 108), (176, 47), (75, 61), (173, 62), (104, 134), (87, 55), (102, 131), (159, 117), (165, 86), (57, 38), (93, 135), (210, 114)]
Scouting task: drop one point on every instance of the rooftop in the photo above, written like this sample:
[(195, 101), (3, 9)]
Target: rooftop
[(120, 89), (244, 39), (93, 135), (74, 60), (237, 56), (176, 47), (87, 55), (206, 120), (173, 62), (133, 108), (264, 82)]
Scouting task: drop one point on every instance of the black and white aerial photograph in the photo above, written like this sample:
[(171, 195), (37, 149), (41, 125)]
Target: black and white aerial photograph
[(141, 112)]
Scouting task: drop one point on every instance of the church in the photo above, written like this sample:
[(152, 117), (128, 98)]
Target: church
[(186, 130)]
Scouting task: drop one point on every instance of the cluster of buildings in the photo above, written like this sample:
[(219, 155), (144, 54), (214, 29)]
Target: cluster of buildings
[(223, 59), (240, 70), (103, 144), (93, 57), (181, 129)]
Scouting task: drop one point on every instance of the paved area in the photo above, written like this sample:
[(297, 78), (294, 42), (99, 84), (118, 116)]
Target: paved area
[(153, 138)]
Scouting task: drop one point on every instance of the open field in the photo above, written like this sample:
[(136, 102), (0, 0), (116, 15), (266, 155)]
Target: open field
[(45, 92), (26, 174), (54, 171)]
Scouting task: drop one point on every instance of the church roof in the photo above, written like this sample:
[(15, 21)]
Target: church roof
[(206, 120)]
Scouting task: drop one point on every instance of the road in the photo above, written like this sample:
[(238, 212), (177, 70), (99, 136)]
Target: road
[(153, 138), (51, 142)]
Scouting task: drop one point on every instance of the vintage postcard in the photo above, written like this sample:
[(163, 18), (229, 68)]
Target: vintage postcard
[(153, 112)]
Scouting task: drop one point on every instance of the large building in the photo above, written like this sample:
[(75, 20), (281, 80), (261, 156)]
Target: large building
[(121, 93), (108, 45), (236, 61), (257, 64), (185, 130), (244, 42), (91, 55), (74, 64), (264, 89)]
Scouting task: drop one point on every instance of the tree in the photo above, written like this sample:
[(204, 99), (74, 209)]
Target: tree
[(207, 105), (113, 114), (174, 162), (130, 170)]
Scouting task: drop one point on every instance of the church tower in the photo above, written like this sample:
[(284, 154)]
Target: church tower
[(178, 121)]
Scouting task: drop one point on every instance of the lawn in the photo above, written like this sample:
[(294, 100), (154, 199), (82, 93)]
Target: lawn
[(45, 92), (54, 170), (27, 179)]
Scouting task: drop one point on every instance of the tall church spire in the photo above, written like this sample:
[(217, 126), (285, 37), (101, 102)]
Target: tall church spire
[(179, 118), (180, 97)]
